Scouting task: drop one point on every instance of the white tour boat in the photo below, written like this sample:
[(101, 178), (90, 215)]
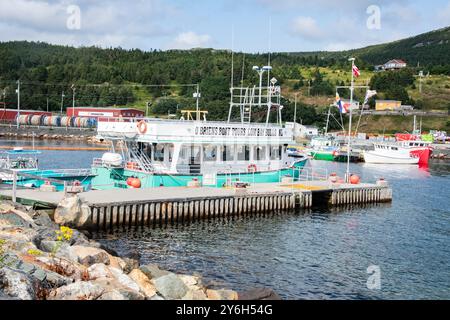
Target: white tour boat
[(194, 151)]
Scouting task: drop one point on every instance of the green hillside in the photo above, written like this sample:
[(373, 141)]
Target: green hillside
[(167, 79)]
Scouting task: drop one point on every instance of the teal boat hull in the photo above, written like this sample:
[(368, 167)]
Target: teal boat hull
[(110, 178), (85, 180)]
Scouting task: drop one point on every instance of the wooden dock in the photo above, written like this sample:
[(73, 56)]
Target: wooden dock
[(133, 207)]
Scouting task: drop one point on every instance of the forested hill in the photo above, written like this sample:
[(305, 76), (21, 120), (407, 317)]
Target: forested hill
[(115, 76), (429, 50)]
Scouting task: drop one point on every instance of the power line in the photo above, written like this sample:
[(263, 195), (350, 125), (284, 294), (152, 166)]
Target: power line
[(100, 85)]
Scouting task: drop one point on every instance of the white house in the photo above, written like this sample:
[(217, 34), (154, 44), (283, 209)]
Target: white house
[(394, 64), (302, 131)]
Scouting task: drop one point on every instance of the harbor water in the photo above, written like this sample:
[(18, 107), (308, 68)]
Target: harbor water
[(313, 254)]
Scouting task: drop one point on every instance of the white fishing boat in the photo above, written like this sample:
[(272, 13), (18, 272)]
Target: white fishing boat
[(194, 151), (391, 153)]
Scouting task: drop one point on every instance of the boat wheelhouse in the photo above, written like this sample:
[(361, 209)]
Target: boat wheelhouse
[(194, 151), (18, 160)]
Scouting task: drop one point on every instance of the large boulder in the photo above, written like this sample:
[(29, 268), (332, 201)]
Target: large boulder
[(16, 284), (73, 213), (99, 270), (124, 280), (10, 216), (146, 287), (80, 290), (170, 286), (115, 290), (88, 256)]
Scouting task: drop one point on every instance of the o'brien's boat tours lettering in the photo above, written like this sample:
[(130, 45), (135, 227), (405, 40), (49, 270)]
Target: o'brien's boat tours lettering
[(237, 131)]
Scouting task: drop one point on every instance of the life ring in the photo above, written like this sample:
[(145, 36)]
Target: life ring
[(252, 168), (142, 127)]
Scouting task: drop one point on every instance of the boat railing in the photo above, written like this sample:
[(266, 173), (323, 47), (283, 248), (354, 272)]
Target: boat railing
[(311, 174), (160, 120), (82, 172), (189, 168), (16, 175)]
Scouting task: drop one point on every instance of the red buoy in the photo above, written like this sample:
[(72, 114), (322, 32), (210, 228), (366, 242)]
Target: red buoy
[(354, 179), (135, 183)]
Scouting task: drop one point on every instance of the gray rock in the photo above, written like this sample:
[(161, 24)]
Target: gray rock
[(152, 271), (14, 219), (130, 264), (50, 245), (41, 219), (88, 255), (170, 286), (259, 294), (55, 280), (16, 283)]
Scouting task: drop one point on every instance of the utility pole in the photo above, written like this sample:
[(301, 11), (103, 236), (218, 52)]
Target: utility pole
[(420, 81), (146, 108), (4, 97), (350, 122), (18, 103), (309, 87), (295, 108), (47, 104), (62, 101), (73, 100)]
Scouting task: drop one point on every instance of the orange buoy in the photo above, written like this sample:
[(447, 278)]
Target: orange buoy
[(354, 179), (142, 127), (136, 183)]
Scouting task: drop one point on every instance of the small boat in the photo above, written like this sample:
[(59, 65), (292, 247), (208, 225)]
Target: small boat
[(26, 164), (390, 153), (323, 148), (295, 153)]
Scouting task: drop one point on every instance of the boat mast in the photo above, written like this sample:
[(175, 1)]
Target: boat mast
[(350, 122), (328, 120)]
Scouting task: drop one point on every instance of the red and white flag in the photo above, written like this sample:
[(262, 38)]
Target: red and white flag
[(356, 71)]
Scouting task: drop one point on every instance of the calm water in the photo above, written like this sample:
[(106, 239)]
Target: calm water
[(318, 253)]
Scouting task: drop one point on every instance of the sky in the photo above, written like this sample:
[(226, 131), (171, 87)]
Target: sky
[(241, 25)]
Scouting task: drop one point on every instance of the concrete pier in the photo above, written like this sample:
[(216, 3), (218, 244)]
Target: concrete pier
[(169, 205)]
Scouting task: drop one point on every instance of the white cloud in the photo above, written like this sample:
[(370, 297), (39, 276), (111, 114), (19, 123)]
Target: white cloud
[(187, 40), (104, 23), (307, 28)]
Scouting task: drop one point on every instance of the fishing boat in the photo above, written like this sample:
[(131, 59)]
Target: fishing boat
[(192, 151), (323, 148), (391, 153), (26, 164)]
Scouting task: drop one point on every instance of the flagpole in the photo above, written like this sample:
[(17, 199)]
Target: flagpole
[(350, 123)]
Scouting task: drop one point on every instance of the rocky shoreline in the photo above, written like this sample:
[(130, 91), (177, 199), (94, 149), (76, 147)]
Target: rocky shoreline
[(40, 260), (26, 133)]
